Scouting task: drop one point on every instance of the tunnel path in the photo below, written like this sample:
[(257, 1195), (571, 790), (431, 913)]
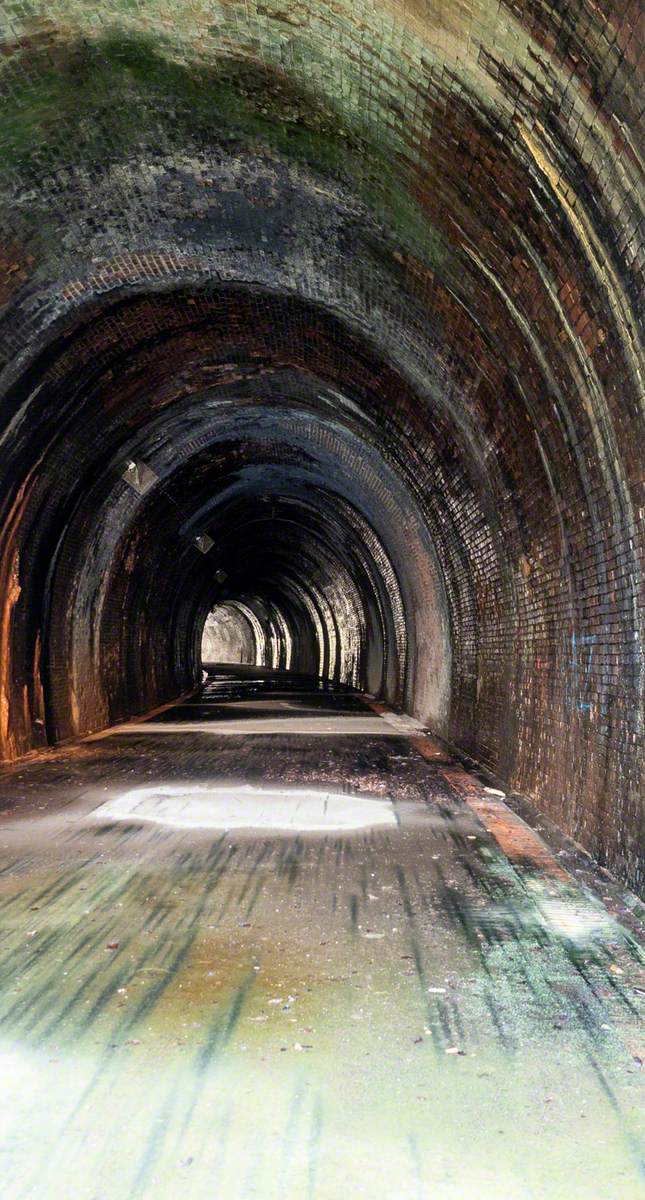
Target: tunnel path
[(399, 994)]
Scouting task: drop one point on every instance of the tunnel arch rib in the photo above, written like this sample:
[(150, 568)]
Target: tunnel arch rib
[(369, 312)]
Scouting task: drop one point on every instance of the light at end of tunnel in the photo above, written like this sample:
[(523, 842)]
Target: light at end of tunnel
[(227, 808)]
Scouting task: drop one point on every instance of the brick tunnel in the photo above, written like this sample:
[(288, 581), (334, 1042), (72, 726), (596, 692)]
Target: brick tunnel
[(322, 448)]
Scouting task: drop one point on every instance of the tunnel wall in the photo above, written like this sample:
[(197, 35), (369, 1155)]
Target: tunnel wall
[(419, 224)]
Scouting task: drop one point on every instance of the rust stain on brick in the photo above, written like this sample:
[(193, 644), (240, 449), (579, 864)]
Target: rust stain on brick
[(521, 845), (11, 589)]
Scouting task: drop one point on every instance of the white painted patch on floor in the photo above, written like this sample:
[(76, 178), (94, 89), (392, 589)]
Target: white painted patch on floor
[(277, 706), (299, 810), (402, 723), (293, 726)]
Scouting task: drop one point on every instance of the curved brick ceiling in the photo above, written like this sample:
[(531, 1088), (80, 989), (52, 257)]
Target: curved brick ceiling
[(373, 269)]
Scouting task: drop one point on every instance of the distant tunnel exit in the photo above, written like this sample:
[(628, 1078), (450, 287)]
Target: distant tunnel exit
[(232, 636)]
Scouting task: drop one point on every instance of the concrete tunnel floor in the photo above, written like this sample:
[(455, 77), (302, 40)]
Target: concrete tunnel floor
[(380, 983)]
